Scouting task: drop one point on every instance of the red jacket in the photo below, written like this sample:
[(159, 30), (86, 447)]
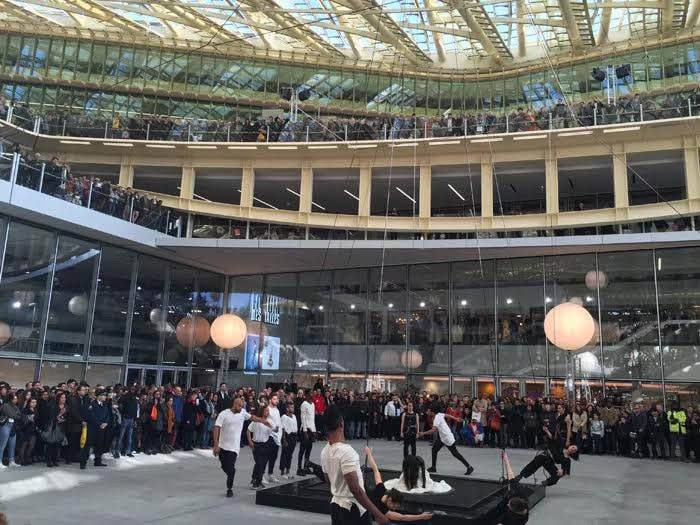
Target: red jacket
[(319, 404)]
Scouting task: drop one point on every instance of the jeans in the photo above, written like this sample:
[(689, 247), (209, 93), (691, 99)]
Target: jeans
[(677, 440), (360, 429), (127, 429), (6, 440), (597, 444), (206, 433), (350, 429)]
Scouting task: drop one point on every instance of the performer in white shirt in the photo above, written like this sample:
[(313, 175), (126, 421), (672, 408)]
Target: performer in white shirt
[(261, 443), (350, 505), (306, 433), (227, 433), (445, 437), (289, 441), (276, 422), (392, 413)]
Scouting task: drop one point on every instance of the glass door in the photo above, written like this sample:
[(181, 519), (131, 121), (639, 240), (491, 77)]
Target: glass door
[(150, 377), (133, 376)]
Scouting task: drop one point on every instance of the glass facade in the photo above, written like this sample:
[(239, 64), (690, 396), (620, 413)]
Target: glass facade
[(196, 77), (82, 309)]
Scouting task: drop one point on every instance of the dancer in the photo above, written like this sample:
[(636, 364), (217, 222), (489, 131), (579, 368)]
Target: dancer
[(409, 429), (227, 439), (261, 442), (388, 501), (289, 441), (276, 421), (548, 459), (445, 437), (307, 433), (350, 505)]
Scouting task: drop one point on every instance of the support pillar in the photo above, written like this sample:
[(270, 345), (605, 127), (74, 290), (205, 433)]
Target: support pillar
[(425, 198), (620, 185), (365, 195), (551, 185), (306, 189), (692, 167), (187, 182), (126, 174), (486, 185), (247, 185)]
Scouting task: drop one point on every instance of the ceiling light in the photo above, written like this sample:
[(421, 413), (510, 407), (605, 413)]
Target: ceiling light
[(16, 305), (352, 307), (201, 147), (547, 300), (318, 206), (320, 307), (589, 299), (119, 144), (160, 146), (390, 305), (456, 192), (575, 133), (444, 142), (404, 144), (76, 142), (463, 302), (474, 141), (509, 300), (352, 195), (290, 190), (283, 147), (620, 130), (406, 195), (658, 264), (530, 137), (242, 147), (361, 146), (323, 146), (422, 304)]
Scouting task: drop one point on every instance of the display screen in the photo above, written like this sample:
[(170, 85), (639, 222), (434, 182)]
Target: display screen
[(269, 352)]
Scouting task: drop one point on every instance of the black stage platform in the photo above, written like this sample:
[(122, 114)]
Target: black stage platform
[(472, 500)]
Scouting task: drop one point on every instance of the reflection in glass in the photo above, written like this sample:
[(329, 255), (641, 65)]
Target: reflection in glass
[(55, 372), (17, 372), (181, 333), (428, 349), (566, 281), (23, 288), (628, 311), (520, 303), (678, 277), (279, 321), (348, 335), (76, 262), (244, 296), (112, 303), (209, 304), (97, 374), (473, 341), (313, 310), (387, 318), (150, 318)]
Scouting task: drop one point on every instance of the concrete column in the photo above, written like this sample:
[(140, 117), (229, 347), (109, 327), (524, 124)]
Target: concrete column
[(187, 182), (620, 177), (247, 185), (692, 168), (425, 191), (306, 189), (126, 174), (486, 185), (551, 185), (365, 191)]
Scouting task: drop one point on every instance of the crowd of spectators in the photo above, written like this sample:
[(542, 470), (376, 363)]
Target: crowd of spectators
[(39, 423), (635, 107), (55, 178)]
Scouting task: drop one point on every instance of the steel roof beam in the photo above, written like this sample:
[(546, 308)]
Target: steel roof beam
[(483, 29)]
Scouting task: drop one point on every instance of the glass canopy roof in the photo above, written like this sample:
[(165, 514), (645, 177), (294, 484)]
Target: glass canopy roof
[(414, 33)]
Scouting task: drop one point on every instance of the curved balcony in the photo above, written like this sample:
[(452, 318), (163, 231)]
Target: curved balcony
[(637, 177)]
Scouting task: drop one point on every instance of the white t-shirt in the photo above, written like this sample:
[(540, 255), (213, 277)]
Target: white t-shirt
[(444, 431), (337, 460), (259, 432), (289, 424), (308, 417), (231, 425), (276, 423)]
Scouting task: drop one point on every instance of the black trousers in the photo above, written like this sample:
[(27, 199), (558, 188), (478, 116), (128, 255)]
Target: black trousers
[(98, 440), (261, 454), (228, 458), (341, 516), (272, 457), (393, 428), (545, 462), (409, 442), (288, 453), (437, 446), (305, 445), (73, 449)]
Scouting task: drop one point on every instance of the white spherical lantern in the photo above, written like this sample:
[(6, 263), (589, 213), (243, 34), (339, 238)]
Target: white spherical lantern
[(192, 331), (595, 280), (389, 359), (78, 305), (228, 331), (411, 359), (5, 333), (157, 316), (569, 326)]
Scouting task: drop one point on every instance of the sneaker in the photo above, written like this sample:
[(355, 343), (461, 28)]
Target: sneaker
[(130, 455), (301, 472), (272, 479), (13, 464), (255, 486), (2, 467), (469, 471), (229, 493), (264, 483)]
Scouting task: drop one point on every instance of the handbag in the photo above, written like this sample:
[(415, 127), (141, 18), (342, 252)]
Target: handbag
[(53, 435)]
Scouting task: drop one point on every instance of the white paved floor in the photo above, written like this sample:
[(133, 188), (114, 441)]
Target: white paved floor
[(185, 488)]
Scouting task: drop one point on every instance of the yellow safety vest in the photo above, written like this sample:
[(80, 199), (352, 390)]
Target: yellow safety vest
[(679, 425)]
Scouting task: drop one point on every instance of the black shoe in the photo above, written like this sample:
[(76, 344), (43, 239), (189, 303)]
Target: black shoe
[(301, 472), (229, 493), (130, 455), (469, 471), (432, 470), (100, 465)]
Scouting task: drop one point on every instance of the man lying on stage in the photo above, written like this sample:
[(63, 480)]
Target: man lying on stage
[(388, 502), (548, 459)]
